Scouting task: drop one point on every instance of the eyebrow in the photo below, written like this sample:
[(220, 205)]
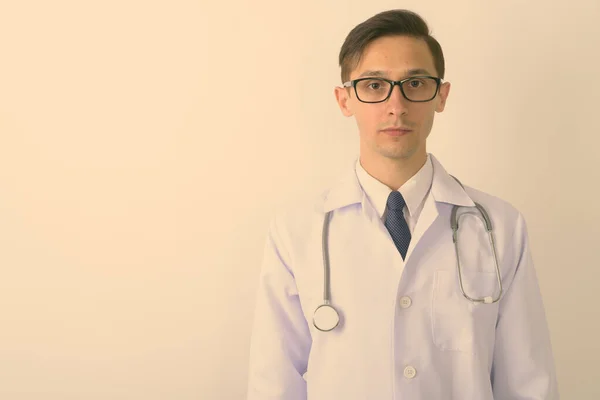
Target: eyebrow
[(414, 71)]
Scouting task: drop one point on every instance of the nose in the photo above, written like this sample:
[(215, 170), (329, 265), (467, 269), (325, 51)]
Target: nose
[(397, 103)]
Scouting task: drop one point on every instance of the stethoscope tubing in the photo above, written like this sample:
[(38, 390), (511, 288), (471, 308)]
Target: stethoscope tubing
[(453, 224)]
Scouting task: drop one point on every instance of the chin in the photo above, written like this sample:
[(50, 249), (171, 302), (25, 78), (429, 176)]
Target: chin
[(397, 154)]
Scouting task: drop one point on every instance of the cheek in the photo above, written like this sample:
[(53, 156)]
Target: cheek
[(424, 118), (368, 119), (428, 121)]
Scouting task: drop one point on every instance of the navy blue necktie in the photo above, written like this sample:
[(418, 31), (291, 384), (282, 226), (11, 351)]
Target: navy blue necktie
[(396, 224)]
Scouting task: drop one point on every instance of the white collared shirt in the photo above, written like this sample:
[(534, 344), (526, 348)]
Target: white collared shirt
[(414, 191)]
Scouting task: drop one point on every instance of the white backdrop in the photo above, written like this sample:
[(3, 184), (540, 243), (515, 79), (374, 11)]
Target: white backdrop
[(145, 145)]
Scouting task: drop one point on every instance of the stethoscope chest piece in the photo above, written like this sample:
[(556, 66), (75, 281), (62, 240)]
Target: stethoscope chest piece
[(326, 318)]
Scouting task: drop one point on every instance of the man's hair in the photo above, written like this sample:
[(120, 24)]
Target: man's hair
[(387, 23)]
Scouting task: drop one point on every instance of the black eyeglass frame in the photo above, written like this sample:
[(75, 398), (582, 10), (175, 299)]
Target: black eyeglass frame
[(392, 83)]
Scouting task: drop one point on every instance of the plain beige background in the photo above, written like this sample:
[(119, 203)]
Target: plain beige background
[(145, 144)]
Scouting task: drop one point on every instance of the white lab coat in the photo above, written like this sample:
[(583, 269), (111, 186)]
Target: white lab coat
[(406, 330)]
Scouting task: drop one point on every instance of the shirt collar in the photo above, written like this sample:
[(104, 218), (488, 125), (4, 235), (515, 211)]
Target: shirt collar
[(444, 188), (413, 191)]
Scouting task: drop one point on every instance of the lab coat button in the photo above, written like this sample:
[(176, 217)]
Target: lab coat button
[(409, 372), (405, 302)]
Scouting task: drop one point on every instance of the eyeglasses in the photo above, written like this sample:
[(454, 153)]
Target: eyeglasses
[(377, 90)]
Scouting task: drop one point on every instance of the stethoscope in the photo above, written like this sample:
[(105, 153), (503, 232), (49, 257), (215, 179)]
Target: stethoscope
[(326, 317)]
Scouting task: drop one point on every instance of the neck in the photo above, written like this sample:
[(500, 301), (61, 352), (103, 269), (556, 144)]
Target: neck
[(393, 172)]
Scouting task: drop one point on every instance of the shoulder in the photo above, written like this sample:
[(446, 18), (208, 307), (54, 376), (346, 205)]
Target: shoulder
[(498, 208), (294, 217), (508, 225)]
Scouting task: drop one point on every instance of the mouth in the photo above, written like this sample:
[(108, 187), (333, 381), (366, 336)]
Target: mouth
[(396, 131)]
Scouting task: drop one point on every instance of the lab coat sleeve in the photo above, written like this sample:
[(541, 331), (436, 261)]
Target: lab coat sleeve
[(280, 340), (523, 366)]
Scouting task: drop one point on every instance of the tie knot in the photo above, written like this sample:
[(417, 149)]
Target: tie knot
[(396, 201)]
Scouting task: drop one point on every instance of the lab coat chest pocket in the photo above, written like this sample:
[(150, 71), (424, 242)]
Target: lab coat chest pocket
[(458, 324)]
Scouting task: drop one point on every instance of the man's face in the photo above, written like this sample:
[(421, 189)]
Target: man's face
[(393, 56)]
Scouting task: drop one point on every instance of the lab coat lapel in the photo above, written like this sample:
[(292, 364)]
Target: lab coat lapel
[(444, 189), (428, 215)]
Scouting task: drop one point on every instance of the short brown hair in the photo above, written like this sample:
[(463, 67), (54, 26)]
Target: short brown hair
[(387, 23)]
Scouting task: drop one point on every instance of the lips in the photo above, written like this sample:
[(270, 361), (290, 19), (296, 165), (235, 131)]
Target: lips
[(397, 131)]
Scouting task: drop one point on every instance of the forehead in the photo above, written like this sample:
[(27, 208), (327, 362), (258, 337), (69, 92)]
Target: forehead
[(395, 56)]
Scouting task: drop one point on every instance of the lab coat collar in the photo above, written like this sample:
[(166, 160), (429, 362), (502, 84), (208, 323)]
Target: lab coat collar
[(444, 189)]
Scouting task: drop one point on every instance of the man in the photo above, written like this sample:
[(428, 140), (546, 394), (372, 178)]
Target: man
[(410, 323)]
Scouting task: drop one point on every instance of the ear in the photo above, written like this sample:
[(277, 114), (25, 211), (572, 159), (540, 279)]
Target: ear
[(343, 99), (444, 92)]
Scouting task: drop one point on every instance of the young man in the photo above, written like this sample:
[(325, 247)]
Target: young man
[(415, 315)]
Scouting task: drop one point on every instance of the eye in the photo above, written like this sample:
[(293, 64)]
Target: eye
[(373, 84)]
